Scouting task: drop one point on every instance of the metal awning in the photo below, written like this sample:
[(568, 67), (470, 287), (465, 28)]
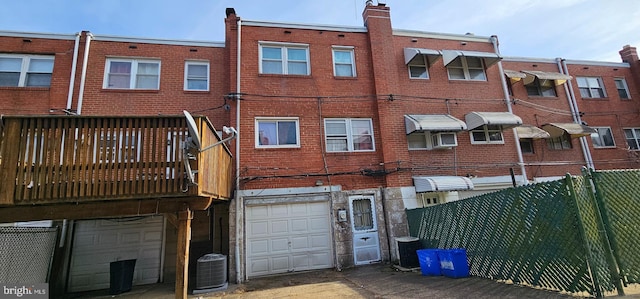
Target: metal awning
[(441, 183), (573, 129), (433, 122), (558, 78), (411, 53), (504, 119), (489, 58), (514, 75), (531, 132)]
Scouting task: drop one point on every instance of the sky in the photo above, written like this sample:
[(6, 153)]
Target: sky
[(571, 29)]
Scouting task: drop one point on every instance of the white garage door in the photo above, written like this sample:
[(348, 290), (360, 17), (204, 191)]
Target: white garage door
[(97, 243), (288, 237)]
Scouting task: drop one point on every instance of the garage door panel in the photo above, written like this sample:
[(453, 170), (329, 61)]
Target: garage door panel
[(299, 225), (258, 212), (319, 224), (301, 261), (257, 247), (299, 243), (279, 245), (258, 228), (320, 241), (279, 227), (279, 211), (280, 264), (320, 260)]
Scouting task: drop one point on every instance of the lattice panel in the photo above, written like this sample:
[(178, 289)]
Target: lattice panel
[(25, 254)]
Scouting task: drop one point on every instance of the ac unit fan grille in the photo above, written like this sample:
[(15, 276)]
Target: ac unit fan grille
[(211, 271)]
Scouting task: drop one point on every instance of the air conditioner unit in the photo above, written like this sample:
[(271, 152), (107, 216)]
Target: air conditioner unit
[(443, 140), (211, 273)]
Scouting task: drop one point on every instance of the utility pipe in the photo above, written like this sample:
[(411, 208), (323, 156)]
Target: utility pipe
[(505, 90), (239, 278), (83, 77), (74, 64)]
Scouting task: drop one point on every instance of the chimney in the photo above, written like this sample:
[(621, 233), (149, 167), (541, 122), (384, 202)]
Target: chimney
[(630, 56)]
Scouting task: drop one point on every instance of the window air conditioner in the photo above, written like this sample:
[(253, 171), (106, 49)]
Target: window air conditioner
[(443, 140)]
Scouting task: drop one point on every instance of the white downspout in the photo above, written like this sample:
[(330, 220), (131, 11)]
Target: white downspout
[(74, 64), (83, 77), (505, 90), (573, 105), (239, 277)]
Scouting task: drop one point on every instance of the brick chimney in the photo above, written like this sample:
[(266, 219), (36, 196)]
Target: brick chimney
[(630, 56)]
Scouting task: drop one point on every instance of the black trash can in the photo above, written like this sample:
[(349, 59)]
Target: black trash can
[(121, 276)]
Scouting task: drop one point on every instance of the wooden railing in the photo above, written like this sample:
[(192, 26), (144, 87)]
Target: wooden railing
[(55, 159)]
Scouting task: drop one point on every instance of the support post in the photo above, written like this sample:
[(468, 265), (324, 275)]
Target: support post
[(182, 253)]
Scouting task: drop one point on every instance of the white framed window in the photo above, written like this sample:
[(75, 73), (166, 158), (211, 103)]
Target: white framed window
[(196, 75), (487, 134), (632, 135), (591, 87), (602, 137), (284, 59), (623, 89), (122, 73), (349, 135), (561, 142), (419, 67), (277, 132), (432, 140), (467, 68), (526, 145), (542, 88), (26, 70), (343, 62)]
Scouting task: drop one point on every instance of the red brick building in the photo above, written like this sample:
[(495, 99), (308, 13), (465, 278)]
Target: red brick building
[(343, 128)]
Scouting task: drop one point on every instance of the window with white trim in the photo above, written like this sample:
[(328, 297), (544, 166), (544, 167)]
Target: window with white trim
[(26, 70), (526, 145), (343, 62), (290, 59), (432, 140), (196, 75), (277, 132), (591, 87), (561, 142), (487, 134), (542, 88), (121, 73), (602, 137), (467, 68), (419, 67), (632, 135), (349, 134), (623, 90)]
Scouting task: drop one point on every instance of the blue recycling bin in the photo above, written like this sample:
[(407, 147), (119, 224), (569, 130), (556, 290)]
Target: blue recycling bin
[(453, 262), (429, 262)]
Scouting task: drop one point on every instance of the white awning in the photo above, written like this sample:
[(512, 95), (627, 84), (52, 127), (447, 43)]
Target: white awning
[(504, 119), (433, 122), (573, 129), (441, 183), (411, 53), (532, 132), (558, 78), (514, 75), (489, 58)]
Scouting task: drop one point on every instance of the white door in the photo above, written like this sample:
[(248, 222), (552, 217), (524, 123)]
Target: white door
[(97, 243), (366, 246), (288, 237)]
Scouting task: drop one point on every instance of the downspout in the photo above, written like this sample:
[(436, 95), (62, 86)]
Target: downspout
[(239, 278), (573, 105), (74, 64), (83, 77), (505, 90)]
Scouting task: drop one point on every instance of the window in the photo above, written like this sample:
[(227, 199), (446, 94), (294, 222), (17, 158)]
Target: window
[(559, 143), (26, 70), (544, 88), (196, 75), (418, 67), (343, 62), (362, 214), (526, 145), (623, 90), (602, 138), (432, 140), (132, 74), (591, 87), (277, 132), (348, 135), (633, 138), (284, 59), (487, 134), (466, 68)]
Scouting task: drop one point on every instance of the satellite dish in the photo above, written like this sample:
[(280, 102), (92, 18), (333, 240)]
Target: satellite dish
[(193, 130)]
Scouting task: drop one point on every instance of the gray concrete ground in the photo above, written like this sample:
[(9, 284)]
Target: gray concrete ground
[(373, 281)]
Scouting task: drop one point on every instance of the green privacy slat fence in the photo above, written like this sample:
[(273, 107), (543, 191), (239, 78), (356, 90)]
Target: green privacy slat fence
[(552, 235)]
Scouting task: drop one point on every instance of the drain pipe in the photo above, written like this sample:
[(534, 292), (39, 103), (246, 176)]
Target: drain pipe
[(573, 105), (239, 277), (74, 64), (83, 77), (505, 90)]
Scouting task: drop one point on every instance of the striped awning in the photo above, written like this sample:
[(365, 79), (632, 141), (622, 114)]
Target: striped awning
[(442, 183)]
